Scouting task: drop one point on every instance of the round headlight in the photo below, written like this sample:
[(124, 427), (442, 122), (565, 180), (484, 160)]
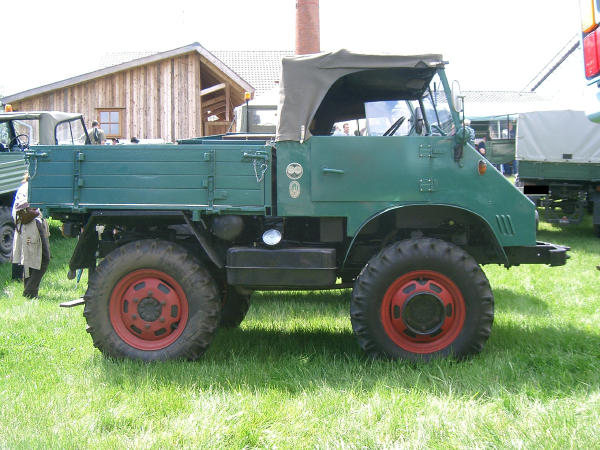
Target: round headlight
[(271, 237)]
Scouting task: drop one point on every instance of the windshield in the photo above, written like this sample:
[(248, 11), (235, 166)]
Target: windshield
[(437, 110), (5, 136), (30, 128)]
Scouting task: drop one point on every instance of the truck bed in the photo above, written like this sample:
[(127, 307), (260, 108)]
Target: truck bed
[(204, 176)]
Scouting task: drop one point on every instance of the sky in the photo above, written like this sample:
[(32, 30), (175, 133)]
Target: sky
[(490, 45)]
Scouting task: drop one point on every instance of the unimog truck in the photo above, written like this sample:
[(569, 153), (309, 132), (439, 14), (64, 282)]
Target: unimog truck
[(17, 131), (177, 237)]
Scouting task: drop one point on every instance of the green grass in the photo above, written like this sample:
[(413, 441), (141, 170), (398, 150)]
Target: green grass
[(293, 376)]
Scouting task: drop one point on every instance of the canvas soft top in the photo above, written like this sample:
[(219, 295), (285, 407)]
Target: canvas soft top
[(47, 120), (306, 79), (546, 136)]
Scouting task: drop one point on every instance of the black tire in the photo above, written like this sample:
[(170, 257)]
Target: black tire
[(597, 230), (421, 299), (142, 294), (234, 307), (7, 233)]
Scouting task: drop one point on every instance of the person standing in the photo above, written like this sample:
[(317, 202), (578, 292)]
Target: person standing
[(31, 247), (97, 136)]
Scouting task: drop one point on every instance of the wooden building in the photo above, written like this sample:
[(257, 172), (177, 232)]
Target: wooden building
[(181, 93)]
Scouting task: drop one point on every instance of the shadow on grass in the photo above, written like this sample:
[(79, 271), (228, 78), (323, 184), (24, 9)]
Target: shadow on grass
[(540, 363), (518, 302)]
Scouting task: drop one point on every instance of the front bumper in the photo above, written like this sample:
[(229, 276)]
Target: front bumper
[(541, 253)]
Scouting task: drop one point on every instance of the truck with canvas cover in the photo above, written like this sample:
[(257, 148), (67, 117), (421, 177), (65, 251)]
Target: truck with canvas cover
[(18, 130), (559, 164), (405, 212)]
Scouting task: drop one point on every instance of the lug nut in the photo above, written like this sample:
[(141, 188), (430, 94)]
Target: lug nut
[(134, 316), (146, 326), (162, 319)]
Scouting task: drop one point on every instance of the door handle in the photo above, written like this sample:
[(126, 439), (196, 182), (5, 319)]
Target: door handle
[(328, 170)]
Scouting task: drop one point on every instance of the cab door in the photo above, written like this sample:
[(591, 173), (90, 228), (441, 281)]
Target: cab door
[(391, 169)]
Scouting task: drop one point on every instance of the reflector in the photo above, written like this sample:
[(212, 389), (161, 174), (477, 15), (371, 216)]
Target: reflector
[(590, 54), (481, 167)]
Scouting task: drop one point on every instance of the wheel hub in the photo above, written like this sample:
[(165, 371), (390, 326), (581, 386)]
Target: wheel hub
[(149, 309), (423, 313)]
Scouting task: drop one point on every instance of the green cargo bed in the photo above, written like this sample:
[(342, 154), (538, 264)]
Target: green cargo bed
[(191, 177)]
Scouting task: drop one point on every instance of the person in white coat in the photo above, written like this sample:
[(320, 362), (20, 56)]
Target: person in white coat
[(31, 247)]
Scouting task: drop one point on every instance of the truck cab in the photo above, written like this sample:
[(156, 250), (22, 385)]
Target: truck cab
[(18, 131)]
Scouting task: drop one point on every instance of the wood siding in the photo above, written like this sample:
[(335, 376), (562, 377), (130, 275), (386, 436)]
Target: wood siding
[(159, 100)]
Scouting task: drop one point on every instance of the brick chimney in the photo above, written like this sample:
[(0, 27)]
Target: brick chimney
[(307, 27)]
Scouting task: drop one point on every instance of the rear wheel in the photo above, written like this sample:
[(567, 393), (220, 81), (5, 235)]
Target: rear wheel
[(7, 233), (152, 300), (419, 299)]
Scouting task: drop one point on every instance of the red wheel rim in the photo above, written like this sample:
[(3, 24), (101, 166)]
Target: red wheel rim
[(423, 311), (148, 309)]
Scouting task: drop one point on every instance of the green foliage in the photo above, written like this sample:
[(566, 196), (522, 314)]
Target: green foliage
[(293, 376)]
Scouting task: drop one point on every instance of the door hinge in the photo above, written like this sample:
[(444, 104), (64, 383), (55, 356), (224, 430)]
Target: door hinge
[(427, 185)]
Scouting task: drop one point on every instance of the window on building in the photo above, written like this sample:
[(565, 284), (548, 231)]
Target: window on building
[(111, 121)]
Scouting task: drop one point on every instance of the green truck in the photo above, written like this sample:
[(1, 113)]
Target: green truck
[(559, 165), (18, 130), (406, 212)]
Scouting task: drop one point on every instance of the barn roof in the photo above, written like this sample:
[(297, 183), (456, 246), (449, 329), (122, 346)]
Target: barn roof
[(260, 68), (140, 59)]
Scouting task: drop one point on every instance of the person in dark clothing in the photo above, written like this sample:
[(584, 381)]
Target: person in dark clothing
[(31, 247)]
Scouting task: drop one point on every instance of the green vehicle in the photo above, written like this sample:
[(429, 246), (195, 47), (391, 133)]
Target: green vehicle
[(405, 212), (559, 165), (17, 131)]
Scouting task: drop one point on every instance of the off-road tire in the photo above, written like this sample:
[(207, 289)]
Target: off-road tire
[(7, 232), (173, 284), (420, 299), (234, 307)]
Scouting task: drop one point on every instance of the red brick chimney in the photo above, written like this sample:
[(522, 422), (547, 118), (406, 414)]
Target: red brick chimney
[(307, 27)]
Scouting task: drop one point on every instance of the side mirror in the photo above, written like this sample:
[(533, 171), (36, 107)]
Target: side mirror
[(418, 121), (458, 100)]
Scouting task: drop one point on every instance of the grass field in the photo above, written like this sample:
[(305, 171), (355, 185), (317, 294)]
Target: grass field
[(293, 376)]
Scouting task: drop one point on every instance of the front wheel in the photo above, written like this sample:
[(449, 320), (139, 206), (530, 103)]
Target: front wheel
[(152, 300), (422, 298)]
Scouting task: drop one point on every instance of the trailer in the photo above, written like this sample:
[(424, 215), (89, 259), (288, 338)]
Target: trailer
[(559, 165)]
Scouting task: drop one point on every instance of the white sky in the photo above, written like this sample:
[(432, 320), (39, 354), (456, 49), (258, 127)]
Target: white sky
[(490, 45)]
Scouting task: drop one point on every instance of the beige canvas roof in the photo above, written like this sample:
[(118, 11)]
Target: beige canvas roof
[(47, 122), (306, 79)]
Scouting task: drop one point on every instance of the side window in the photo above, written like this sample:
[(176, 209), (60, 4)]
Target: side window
[(111, 121), (70, 132), (383, 117), (356, 127)]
